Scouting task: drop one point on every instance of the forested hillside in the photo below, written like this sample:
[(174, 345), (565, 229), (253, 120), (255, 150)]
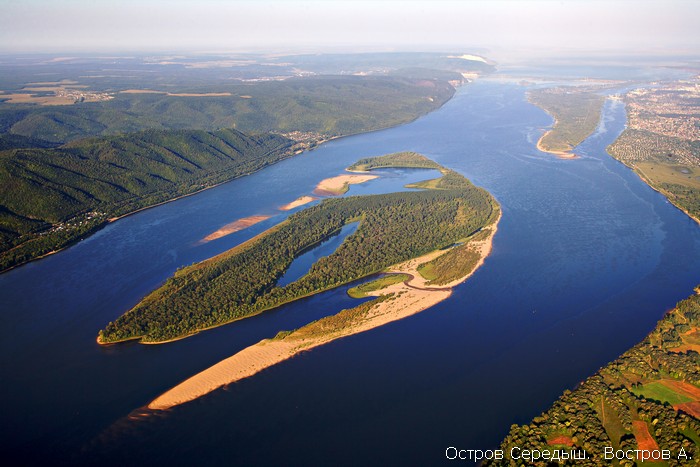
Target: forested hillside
[(51, 197), (328, 105)]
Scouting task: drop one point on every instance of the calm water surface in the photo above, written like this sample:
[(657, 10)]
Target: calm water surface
[(586, 260)]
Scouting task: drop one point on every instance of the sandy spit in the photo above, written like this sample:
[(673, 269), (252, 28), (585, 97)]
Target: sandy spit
[(297, 202), (540, 147), (234, 226), (559, 154), (267, 353), (410, 298), (335, 186)]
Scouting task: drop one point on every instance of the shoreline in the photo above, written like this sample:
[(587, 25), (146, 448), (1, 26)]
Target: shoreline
[(559, 154), (291, 154), (405, 299), (642, 176)]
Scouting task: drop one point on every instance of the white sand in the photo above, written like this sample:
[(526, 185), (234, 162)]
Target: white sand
[(234, 226), (297, 202), (408, 301), (338, 185)]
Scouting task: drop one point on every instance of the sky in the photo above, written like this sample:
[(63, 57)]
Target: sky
[(55, 26)]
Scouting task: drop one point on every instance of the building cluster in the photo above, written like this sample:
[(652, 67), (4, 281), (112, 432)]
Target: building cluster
[(671, 110), (79, 95)]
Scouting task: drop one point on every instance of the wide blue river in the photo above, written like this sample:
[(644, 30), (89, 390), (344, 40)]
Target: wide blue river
[(586, 260)]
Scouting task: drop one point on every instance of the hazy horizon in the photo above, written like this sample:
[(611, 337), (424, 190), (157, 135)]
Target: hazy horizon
[(501, 26)]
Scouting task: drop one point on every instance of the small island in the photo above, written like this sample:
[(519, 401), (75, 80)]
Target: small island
[(444, 215), (402, 290), (576, 113)]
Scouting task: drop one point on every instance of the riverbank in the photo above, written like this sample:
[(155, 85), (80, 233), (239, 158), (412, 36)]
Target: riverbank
[(55, 248), (395, 302), (643, 177), (540, 145), (559, 154)]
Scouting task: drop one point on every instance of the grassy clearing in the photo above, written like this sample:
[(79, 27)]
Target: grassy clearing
[(326, 327), (426, 184), (611, 422), (660, 392), (363, 290), (659, 173), (457, 262)]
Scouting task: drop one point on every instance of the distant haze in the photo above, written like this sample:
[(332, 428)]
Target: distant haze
[(664, 26)]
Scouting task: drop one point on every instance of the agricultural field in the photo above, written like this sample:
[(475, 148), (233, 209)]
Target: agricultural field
[(649, 398)]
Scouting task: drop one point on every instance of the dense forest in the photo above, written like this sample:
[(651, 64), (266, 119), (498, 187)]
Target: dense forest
[(66, 169), (327, 105), (393, 228), (51, 197), (649, 399), (400, 159)]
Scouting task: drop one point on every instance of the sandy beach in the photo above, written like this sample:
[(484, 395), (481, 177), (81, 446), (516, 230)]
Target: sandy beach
[(297, 202), (408, 299), (559, 154), (234, 226), (338, 185)]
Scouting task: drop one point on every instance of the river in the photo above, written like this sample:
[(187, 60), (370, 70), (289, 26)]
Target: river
[(587, 258)]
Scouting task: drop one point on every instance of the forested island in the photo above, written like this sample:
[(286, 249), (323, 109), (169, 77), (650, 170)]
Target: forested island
[(647, 399), (576, 112), (241, 282), (427, 269)]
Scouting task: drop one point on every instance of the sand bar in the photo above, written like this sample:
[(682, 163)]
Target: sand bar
[(559, 154), (410, 298), (338, 185), (234, 226), (297, 202), (540, 146)]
